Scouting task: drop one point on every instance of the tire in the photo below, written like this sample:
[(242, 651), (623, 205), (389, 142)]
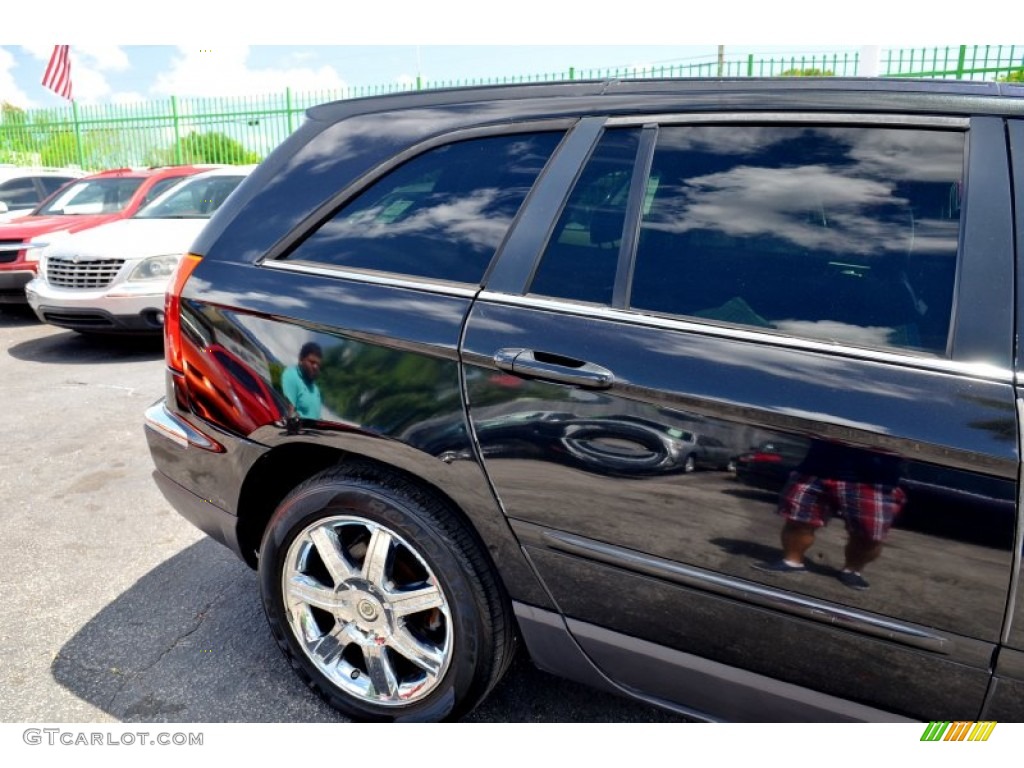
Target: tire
[(403, 618)]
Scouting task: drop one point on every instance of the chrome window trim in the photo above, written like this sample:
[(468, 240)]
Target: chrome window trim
[(752, 592), (460, 290), (635, 317), (823, 118)]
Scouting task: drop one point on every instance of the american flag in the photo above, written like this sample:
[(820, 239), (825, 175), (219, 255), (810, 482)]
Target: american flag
[(58, 72)]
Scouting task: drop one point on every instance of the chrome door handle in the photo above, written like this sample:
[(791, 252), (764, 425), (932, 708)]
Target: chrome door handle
[(552, 367)]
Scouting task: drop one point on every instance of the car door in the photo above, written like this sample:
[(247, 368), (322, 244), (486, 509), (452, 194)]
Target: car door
[(1006, 701), (840, 286)]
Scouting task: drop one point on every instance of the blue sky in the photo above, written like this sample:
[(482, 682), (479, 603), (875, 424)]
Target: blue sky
[(104, 73), (206, 48)]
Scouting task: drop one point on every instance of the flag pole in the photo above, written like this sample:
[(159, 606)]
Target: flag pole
[(78, 134)]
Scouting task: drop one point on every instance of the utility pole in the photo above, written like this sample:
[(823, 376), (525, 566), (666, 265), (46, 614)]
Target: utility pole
[(721, 60)]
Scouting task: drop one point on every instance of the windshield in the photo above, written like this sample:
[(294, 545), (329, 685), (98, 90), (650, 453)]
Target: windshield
[(191, 199), (92, 196)]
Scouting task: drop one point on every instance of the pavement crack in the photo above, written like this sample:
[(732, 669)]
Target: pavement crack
[(134, 675)]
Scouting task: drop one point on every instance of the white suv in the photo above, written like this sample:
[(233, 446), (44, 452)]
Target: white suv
[(111, 279), (22, 189)]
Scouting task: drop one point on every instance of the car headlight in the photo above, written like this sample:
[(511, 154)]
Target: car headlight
[(155, 268), (37, 246)]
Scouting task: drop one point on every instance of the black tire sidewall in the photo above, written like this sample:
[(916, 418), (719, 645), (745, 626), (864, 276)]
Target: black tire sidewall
[(455, 692)]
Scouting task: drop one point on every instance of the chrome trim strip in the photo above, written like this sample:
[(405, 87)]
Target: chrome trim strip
[(750, 592), (321, 270), (1016, 593), (162, 421), (668, 118), (636, 317)]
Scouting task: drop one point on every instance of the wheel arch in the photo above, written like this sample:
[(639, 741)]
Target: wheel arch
[(281, 469)]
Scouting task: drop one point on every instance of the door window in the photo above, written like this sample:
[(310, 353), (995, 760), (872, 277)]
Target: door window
[(580, 259), (841, 233)]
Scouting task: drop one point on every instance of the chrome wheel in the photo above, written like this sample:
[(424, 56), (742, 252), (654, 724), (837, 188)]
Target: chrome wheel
[(367, 610)]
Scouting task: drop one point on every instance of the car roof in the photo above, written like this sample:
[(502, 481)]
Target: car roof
[(18, 171), (699, 94), (168, 170), (228, 170)]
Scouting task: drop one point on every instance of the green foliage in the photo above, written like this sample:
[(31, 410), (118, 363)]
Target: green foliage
[(15, 140), (154, 157), (215, 147), (808, 72), (386, 389), (1013, 77), (12, 116), (59, 149)]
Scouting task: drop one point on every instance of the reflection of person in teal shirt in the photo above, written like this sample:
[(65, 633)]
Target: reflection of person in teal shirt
[(299, 382)]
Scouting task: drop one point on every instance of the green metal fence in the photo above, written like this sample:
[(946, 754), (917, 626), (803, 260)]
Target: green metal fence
[(245, 129)]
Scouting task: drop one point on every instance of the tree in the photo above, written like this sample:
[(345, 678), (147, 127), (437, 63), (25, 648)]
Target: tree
[(16, 143), (808, 72), (1013, 77), (215, 148), (60, 149)]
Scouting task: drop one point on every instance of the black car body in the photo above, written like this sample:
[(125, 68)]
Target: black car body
[(768, 464), (823, 261)]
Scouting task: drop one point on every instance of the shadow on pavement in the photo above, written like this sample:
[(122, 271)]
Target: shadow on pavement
[(188, 642), (72, 347), (17, 316)]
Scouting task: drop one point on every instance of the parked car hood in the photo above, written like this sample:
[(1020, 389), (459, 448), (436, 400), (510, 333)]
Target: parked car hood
[(32, 226), (132, 239)]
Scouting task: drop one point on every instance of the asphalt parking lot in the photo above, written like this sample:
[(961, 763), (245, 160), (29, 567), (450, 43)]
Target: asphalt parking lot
[(117, 609)]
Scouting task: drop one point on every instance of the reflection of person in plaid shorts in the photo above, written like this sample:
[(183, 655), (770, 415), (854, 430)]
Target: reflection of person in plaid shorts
[(860, 486)]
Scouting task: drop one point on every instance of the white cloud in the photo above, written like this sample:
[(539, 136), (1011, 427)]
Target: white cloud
[(110, 58), (90, 86), (88, 63), (223, 71), (126, 97), (9, 90)]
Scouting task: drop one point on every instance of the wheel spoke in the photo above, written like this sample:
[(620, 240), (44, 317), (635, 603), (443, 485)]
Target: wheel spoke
[(329, 548), (331, 646), (375, 564), (306, 590), (416, 600), (424, 656), (382, 675)]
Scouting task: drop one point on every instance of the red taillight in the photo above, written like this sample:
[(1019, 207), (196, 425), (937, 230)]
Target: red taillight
[(766, 458), (172, 312)]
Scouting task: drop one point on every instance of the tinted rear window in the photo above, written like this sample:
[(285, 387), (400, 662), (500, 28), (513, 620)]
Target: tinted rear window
[(440, 215)]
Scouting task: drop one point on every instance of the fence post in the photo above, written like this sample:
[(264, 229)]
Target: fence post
[(177, 130), (572, 73), (960, 62), (288, 106), (78, 134), (750, 65)]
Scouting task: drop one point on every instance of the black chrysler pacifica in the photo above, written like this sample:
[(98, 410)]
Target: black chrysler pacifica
[(441, 367)]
